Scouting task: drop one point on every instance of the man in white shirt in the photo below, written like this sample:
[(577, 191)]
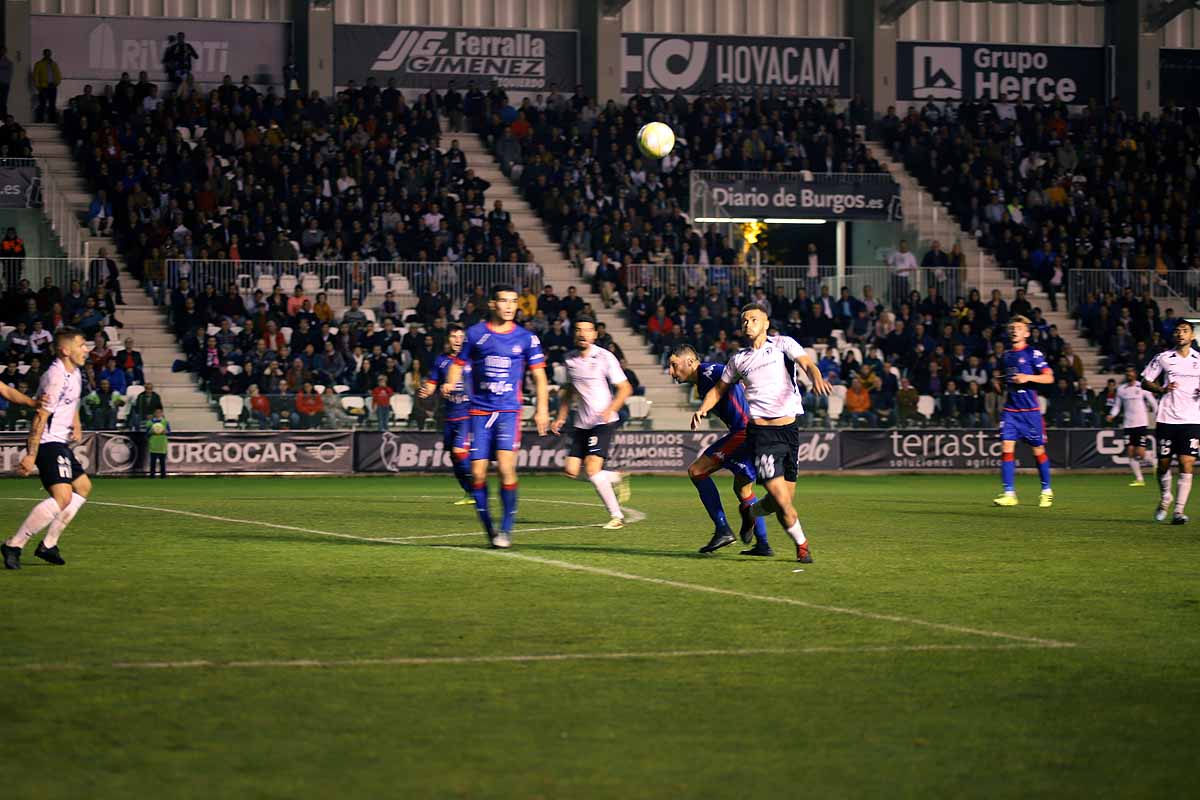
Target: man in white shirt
[(1174, 375), (904, 269), (591, 371), (55, 425), (765, 370), (1131, 404)]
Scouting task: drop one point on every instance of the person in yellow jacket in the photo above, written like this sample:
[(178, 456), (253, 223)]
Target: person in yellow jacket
[(46, 78)]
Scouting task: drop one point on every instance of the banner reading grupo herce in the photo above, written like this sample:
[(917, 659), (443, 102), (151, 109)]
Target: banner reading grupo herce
[(1003, 73), (694, 64), (767, 195), (430, 58)]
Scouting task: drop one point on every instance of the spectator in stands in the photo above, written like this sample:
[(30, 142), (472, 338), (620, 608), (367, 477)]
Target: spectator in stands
[(310, 409), (904, 268), (6, 76), (114, 375), (12, 252), (46, 79), (858, 404), (906, 404), (100, 407), (144, 406), (258, 410), (381, 399)]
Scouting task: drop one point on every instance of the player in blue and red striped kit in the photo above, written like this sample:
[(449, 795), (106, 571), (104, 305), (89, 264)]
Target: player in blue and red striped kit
[(456, 409), (498, 352), (1022, 419), (729, 452)]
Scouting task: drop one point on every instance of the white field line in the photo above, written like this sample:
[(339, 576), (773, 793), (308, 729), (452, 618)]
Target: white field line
[(610, 573), (419, 661)]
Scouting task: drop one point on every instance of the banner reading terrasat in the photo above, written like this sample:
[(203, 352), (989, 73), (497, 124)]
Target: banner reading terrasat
[(430, 58), (763, 195)]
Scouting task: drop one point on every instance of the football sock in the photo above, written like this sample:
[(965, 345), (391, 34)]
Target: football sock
[(462, 471), (1008, 473), (508, 498), (1043, 462), (480, 492), (797, 533), (760, 523), (711, 498), (41, 516), (1164, 487), (1181, 494), (63, 519), (1136, 466), (603, 484)]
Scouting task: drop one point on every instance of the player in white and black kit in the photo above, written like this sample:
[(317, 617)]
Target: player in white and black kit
[(773, 401), (1131, 405), (55, 426), (1174, 375), (592, 371)]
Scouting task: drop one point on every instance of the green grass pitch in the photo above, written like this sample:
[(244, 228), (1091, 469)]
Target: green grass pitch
[(938, 647)]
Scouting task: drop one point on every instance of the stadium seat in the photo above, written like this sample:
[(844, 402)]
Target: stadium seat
[(340, 388), (836, 405), (353, 401), (245, 282), (559, 374), (212, 330), (402, 406), (234, 369), (288, 283), (398, 284), (133, 392), (231, 410), (379, 285), (1043, 404), (639, 410), (266, 283), (527, 412), (405, 312), (319, 388), (925, 406), (287, 333), (310, 282), (112, 333), (5, 330), (370, 314)]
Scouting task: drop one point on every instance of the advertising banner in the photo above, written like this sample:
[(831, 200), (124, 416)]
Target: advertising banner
[(1179, 77), (231, 452), (694, 64), (1102, 448), (951, 448), (12, 450), (429, 58), (1003, 73), (764, 195), (101, 48), (19, 187)]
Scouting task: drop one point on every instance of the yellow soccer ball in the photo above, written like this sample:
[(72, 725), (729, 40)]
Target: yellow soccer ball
[(157, 428), (656, 139)]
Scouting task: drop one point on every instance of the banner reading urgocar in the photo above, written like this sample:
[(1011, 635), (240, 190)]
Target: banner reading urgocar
[(231, 452)]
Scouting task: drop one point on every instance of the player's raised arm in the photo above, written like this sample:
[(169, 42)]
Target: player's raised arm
[(13, 396), (719, 390), (796, 353)]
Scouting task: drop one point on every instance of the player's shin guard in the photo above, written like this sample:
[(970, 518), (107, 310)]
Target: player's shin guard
[(1181, 494), (1164, 487), (1043, 462), (462, 471), (760, 523), (41, 516), (1008, 472), (1136, 466), (480, 492), (508, 498), (711, 498), (602, 481), (63, 520)]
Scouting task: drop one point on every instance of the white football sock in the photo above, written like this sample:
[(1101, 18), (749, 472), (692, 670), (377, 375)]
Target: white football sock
[(41, 516), (797, 533), (604, 488), (1136, 466), (1164, 486), (1185, 488), (63, 520)]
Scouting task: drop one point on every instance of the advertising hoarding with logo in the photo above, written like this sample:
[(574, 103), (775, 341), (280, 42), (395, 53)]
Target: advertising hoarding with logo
[(232, 452), (430, 58), (694, 64), (765, 195), (20, 187), (951, 448), (1003, 73), (12, 450), (101, 48)]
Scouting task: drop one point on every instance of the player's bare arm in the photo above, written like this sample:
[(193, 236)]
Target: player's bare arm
[(13, 396), (564, 409), (427, 389), (1046, 376), (453, 376), (1155, 388), (820, 385), (77, 429), (40, 419), (710, 401), (622, 393), (541, 414)]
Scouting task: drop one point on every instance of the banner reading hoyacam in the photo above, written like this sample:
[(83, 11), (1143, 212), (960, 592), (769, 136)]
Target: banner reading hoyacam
[(1003, 73), (763, 195), (735, 64), (101, 48), (429, 58)]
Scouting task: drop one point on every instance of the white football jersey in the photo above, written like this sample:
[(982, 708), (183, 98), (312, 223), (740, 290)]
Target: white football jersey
[(591, 375), (1132, 401), (771, 390), (1181, 405), (58, 393)]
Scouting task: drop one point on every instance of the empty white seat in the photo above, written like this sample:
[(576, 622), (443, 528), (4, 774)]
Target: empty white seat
[(925, 406), (353, 401), (836, 405), (341, 388), (288, 283), (402, 406), (231, 409)]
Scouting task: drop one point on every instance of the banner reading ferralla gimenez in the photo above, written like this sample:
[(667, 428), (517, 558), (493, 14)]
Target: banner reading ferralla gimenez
[(694, 64), (430, 58), (763, 195), (1003, 73)]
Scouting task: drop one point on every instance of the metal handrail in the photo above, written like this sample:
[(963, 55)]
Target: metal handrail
[(60, 212), (807, 177)]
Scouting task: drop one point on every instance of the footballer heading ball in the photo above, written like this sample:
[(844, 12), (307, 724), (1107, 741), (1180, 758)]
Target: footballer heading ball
[(656, 139)]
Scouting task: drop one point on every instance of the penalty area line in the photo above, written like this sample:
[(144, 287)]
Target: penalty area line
[(418, 661)]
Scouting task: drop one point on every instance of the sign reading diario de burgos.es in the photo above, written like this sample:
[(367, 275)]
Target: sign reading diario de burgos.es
[(1003, 73), (430, 58), (765, 195)]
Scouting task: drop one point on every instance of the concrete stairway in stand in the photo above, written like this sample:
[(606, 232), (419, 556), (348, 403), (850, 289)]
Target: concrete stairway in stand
[(933, 220), (187, 407), (670, 409)]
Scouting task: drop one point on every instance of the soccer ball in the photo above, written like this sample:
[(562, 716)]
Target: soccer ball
[(656, 139), (157, 428)]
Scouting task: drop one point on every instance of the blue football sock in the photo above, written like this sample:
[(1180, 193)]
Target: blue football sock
[(508, 497), (462, 472), (1044, 471), (1008, 473), (712, 500), (480, 492)]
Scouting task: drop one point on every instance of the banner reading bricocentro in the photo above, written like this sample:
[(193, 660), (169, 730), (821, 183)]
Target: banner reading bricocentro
[(430, 58), (231, 452)]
